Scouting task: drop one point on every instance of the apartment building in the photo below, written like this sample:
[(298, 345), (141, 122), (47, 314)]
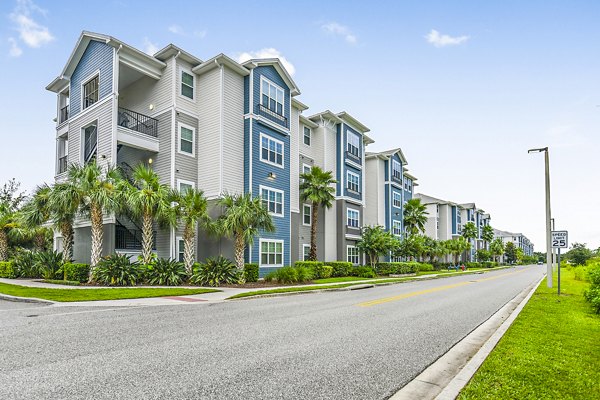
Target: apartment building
[(518, 239), (216, 125)]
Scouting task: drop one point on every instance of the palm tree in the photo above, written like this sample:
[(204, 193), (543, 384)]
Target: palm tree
[(8, 222), (487, 234), (415, 216), (497, 248), (457, 246), (469, 231), (191, 210), (243, 218), (316, 187), (63, 204), (36, 213), (148, 199), (96, 193)]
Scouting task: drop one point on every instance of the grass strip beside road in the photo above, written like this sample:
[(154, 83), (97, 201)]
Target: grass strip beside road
[(70, 295), (288, 290), (551, 351)]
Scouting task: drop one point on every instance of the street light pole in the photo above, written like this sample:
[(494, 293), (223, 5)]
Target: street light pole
[(548, 215)]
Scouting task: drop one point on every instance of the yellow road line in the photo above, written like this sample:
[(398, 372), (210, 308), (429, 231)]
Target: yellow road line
[(432, 290)]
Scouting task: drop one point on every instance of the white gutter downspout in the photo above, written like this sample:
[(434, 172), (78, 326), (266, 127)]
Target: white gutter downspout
[(173, 248), (221, 106)]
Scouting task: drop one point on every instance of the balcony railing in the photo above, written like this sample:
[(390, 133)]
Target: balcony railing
[(64, 114), (62, 164), (272, 115), (138, 122), (130, 239)]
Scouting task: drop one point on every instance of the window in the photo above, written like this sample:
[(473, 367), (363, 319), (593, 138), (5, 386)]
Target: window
[(306, 168), (184, 186), (352, 217), (397, 228), (271, 96), (272, 200), (306, 252), (307, 134), (271, 150), (352, 180), (396, 170), (187, 139), (409, 185), (353, 255), (90, 92), (306, 214), (90, 142), (396, 199), (352, 145), (405, 183), (187, 85), (271, 253), (180, 249)]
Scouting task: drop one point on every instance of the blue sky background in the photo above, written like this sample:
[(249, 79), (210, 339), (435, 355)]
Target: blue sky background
[(464, 108)]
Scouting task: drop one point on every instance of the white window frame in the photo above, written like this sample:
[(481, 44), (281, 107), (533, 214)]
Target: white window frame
[(304, 205), (189, 72), (397, 228), (277, 87), (260, 253), (260, 147), (82, 140), (309, 136), (353, 210), (182, 125), (357, 255), (399, 204), (349, 135), (348, 173), (261, 188), (396, 167), (180, 249), (85, 82), (183, 181), (304, 256)]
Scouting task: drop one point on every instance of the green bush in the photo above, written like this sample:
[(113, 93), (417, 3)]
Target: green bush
[(340, 268), (117, 270), (214, 272), (401, 268), (326, 271), (580, 273), (363, 272), (6, 269), (75, 272), (25, 265), (166, 272), (251, 272), (592, 294), (290, 275), (319, 269), (48, 262), (62, 282), (425, 267)]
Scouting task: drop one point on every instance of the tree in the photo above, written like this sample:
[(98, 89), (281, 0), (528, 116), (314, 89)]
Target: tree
[(8, 222), (457, 246), (35, 213), (483, 255), (469, 231), (10, 194), (191, 210), (243, 218), (487, 234), (375, 242), (96, 193), (510, 251), (410, 247), (520, 255), (149, 200), (63, 205), (316, 187), (579, 254), (497, 248), (415, 216)]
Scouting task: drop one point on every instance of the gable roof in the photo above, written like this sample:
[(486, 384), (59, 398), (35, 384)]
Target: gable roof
[(170, 50), (276, 63), (218, 60), (388, 154)]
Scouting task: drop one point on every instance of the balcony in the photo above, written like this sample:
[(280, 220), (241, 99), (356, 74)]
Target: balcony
[(272, 115), (137, 130), (64, 114), (130, 239)]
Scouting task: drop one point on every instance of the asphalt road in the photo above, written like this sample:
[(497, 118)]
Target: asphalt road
[(337, 345)]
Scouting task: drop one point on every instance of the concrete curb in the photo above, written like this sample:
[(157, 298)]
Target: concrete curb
[(445, 378), (24, 299)]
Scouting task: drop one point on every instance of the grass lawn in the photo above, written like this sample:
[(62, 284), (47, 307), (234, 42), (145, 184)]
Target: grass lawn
[(341, 279), (288, 290), (552, 350), (69, 295)]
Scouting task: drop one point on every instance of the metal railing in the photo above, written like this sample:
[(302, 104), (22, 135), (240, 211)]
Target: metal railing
[(62, 164), (272, 115), (64, 114), (138, 122), (130, 239)]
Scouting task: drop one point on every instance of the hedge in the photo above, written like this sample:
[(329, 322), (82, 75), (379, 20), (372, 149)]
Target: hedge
[(399, 268), (364, 272), (319, 269), (75, 272), (251, 272), (340, 268), (6, 269)]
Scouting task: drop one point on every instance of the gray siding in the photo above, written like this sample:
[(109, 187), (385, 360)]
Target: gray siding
[(145, 91), (233, 132), (82, 246), (209, 165), (102, 114)]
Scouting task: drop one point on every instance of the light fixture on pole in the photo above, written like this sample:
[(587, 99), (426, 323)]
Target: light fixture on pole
[(548, 215)]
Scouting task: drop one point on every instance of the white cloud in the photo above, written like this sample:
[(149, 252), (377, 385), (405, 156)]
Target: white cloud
[(267, 53), (149, 47), (178, 30), (340, 30), (15, 50), (30, 32), (438, 40)]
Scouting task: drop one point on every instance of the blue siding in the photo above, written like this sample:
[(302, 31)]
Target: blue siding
[(396, 157), (344, 166), (271, 74), (357, 196), (339, 169), (247, 94), (247, 122), (358, 160), (97, 56), (454, 219)]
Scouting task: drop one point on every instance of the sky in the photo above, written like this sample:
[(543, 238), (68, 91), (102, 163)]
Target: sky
[(463, 87)]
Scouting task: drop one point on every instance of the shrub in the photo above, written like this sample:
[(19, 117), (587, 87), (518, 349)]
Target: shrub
[(117, 270), (340, 268), (166, 272), (592, 294), (215, 272), (62, 282), (363, 272), (6, 269), (25, 266), (317, 267), (251, 272), (580, 273), (401, 268), (48, 263), (326, 271), (290, 275), (425, 267), (75, 272)]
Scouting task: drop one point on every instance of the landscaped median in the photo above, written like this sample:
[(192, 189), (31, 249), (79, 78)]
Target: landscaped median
[(70, 295), (551, 350)]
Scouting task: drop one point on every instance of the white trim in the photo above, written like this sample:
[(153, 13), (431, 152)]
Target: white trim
[(260, 189), (221, 129), (82, 140), (260, 242), (305, 165), (347, 217), (393, 227), (399, 193), (305, 246), (180, 181), (250, 140), (178, 249), (304, 127), (188, 71), (309, 214), (84, 82), (269, 137), (348, 172), (276, 127), (351, 246), (182, 125), (352, 164), (262, 78)]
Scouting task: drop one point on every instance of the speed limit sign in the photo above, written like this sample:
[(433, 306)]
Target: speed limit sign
[(560, 239)]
